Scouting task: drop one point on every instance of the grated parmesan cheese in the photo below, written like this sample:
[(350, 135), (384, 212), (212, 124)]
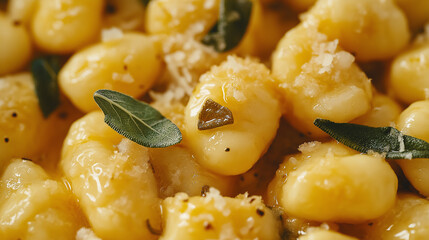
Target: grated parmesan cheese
[(86, 234), (111, 34)]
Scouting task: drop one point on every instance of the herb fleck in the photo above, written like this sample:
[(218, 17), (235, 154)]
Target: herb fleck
[(207, 226), (214, 115), (260, 212)]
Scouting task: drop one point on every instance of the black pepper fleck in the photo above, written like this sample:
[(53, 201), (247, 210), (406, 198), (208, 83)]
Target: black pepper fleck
[(14, 114), (110, 9), (207, 226), (241, 178), (260, 212), (227, 149), (204, 190), (6, 140), (16, 23), (255, 175), (63, 115)]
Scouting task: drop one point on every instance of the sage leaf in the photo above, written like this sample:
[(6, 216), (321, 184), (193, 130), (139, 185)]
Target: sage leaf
[(383, 140), (45, 75), (234, 17), (136, 120), (214, 115)]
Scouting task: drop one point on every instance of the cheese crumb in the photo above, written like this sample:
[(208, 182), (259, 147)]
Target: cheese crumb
[(86, 234), (111, 34)]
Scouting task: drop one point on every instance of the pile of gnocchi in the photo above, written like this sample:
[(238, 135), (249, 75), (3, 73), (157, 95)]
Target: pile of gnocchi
[(257, 167)]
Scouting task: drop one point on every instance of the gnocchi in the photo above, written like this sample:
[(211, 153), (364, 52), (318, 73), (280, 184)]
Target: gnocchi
[(217, 217), (112, 179), (329, 173), (129, 64), (16, 49), (246, 88), (318, 80), (55, 24), (245, 159)]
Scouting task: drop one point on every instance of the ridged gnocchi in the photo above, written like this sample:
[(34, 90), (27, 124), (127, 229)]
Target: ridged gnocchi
[(192, 17), (23, 130), (64, 26), (129, 64), (408, 79), (112, 179), (213, 216), (371, 29), (185, 175), (15, 47), (231, 92), (332, 183), (413, 121), (318, 80), (34, 206), (247, 90), (408, 219)]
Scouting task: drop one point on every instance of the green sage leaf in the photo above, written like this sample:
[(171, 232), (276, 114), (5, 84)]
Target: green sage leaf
[(234, 17), (383, 140), (45, 75), (214, 115), (136, 120)]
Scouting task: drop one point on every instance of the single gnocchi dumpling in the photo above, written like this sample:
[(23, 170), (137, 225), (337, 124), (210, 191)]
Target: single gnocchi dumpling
[(318, 80), (408, 219), (329, 182), (409, 74), (23, 130), (127, 63), (413, 121), (213, 216), (177, 171), (15, 47), (112, 179), (232, 116), (417, 12), (371, 29), (64, 26), (191, 17), (33, 206), (384, 112)]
